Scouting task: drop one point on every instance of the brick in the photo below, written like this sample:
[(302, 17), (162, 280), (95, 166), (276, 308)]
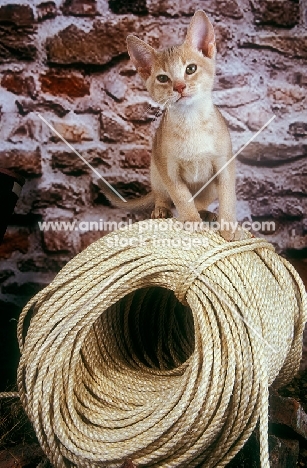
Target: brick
[(73, 132), (115, 88), (21, 456), (223, 38), (80, 7), (299, 78), (73, 45), (135, 157), (228, 8), (16, 33), (162, 32), (16, 45), (31, 87), (287, 43), (267, 229), (283, 13), (114, 128), (67, 241), (298, 129), (18, 84), (42, 264), (25, 210), (283, 452), (127, 69), (274, 190), (279, 207), (230, 81), (141, 112), (26, 106), (131, 189), (272, 154), (138, 7), (19, 15), (46, 10), (19, 133), (286, 94), (69, 163), (233, 123), (258, 117), (24, 162), (30, 128), (235, 97), (289, 412), (61, 242), (14, 240), (88, 106), (296, 246), (68, 84), (69, 196), (254, 115)]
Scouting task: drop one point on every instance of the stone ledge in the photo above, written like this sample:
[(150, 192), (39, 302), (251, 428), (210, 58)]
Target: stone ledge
[(73, 45), (277, 12), (19, 15), (292, 44), (25, 163)]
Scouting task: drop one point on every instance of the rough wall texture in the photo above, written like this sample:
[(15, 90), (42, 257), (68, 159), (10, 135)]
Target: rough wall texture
[(67, 61)]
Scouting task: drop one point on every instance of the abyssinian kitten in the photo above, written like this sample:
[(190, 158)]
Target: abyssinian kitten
[(192, 142)]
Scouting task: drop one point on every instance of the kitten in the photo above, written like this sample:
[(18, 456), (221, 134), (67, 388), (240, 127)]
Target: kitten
[(192, 142)]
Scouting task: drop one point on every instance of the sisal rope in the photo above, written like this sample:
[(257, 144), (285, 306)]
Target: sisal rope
[(9, 395), (158, 353)]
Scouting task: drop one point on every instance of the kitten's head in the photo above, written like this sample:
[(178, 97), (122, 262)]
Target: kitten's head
[(180, 74)]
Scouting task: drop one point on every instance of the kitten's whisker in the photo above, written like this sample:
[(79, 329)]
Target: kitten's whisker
[(158, 102), (168, 100), (162, 103), (172, 100)]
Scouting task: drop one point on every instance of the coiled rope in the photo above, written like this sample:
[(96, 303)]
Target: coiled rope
[(145, 349)]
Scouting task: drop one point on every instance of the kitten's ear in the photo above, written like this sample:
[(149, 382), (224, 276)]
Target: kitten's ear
[(200, 34), (141, 54)]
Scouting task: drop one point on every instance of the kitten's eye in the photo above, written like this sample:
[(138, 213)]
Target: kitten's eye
[(162, 78), (191, 69)]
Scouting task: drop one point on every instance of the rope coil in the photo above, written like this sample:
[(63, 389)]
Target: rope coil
[(160, 355)]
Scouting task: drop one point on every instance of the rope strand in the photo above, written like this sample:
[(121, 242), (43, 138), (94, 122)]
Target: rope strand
[(153, 352)]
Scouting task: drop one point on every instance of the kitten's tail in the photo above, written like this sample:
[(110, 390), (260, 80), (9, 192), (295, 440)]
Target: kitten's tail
[(138, 204)]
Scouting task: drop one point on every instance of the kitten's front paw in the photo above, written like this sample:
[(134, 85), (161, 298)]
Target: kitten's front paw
[(161, 212), (230, 235), (191, 223)]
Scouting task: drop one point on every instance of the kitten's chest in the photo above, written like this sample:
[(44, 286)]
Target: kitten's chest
[(194, 145), (189, 139), (190, 150), (196, 171)]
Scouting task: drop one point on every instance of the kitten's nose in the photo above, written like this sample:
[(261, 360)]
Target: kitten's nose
[(179, 86)]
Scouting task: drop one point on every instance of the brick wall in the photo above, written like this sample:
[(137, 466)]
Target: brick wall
[(67, 60)]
